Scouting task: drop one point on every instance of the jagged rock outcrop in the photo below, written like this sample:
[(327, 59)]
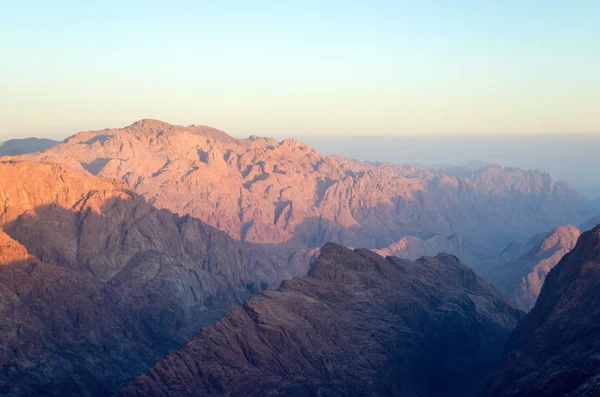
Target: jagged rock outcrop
[(15, 147), (412, 247), (522, 268), (96, 284), (357, 325), (267, 192), (555, 349)]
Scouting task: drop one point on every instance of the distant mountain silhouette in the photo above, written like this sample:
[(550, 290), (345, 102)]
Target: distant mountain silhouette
[(591, 223), (15, 147), (460, 170)]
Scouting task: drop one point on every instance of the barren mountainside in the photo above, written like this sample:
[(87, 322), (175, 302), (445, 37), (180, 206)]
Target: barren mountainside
[(555, 350), (357, 325), (413, 247), (263, 191), (106, 263), (522, 268), (96, 284)]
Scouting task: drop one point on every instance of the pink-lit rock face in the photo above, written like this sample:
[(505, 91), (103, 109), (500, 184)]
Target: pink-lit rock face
[(96, 284), (263, 191)]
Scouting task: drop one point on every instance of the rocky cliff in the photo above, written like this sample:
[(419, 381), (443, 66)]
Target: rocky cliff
[(413, 247), (522, 268), (555, 349), (357, 325), (266, 192), (96, 284)]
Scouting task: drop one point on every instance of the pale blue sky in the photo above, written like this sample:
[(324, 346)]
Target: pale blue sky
[(290, 68)]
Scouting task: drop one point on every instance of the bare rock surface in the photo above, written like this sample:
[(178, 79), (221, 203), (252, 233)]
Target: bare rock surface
[(522, 268), (357, 325), (96, 284), (262, 191), (413, 247), (555, 350)]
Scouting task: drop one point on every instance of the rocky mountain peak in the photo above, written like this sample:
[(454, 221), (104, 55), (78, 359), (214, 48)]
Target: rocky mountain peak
[(357, 325), (522, 268), (562, 237), (263, 191), (150, 124), (96, 283)]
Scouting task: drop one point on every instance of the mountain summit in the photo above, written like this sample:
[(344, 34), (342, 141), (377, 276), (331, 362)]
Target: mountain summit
[(357, 325), (263, 191)]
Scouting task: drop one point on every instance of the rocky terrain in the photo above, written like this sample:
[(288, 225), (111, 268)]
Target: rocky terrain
[(106, 263), (15, 147), (272, 193), (522, 268), (357, 325), (96, 284), (413, 247), (555, 350)]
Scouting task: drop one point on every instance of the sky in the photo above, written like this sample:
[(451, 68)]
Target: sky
[(302, 68)]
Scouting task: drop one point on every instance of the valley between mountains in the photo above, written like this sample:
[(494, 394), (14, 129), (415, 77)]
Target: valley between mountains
[(163, 260)]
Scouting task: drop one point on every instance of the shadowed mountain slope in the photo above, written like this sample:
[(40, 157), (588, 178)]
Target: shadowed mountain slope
[(96, 284), (555, 350), (522, 268), (357, 325)]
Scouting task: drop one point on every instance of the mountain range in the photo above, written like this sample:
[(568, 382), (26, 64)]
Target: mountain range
[(15, 147), (122, 246), (262, 191), (357, 325), (96, 284)]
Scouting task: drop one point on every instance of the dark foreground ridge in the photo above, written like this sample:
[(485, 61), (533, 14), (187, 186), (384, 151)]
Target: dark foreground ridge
[(357, 325), (555, 350)]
